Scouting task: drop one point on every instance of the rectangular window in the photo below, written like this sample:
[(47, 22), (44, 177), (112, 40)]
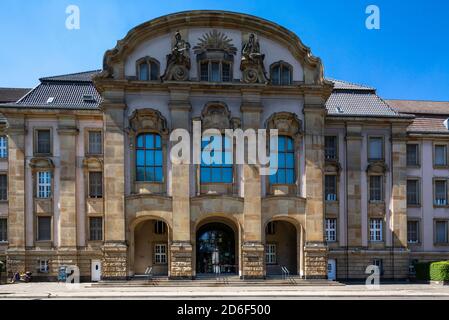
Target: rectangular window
[(43, 266), (3, 230), (375, 230), (330, 187), (215, 72), (413, 192), (3, 147), (440, 155), (330, 148), (44, 228), (440, 193), (43, 142), (226, 72), (413, 232), (204, 70), (96, 229), (441, 232), (412, 155), (375, 188), (160, 254), (159, 227), (95, 184), (331, 230), (376, 148), (44, 184), (95, 142), (270, 254), (379, 263), (271, 228), (3, 187)]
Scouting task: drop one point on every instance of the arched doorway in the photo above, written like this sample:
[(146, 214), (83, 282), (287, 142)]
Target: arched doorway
[(151, 248), (281, 247), (216, 249)]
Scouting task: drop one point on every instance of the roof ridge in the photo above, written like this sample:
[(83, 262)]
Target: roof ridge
[(55, 78), (359, 85), (418, 100)]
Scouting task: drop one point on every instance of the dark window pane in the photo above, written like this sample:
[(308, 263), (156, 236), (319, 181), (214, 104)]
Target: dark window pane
[(3, 230), (3, 187), (330, 148), (154, 71), (43, 141), (204, 70), (412, 155), (275, 75), (95, 142), (143, 71), (96, 229), (215, 72), (95, 184), (226, 72), (376, 148), (285, 76), (44, 228)]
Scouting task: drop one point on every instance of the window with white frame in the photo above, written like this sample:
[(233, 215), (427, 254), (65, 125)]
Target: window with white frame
[(376, 148), (43, 266), (331, 230), (413, 192), (412, 155), (3, 187), (160, 253), (441, 232), (330, 187), (3, 147), (413, 232), (95, 142), (440, 155), (270, 254), (440, 193), (3, 230), (375, 230), (375, 188), (44, 184)]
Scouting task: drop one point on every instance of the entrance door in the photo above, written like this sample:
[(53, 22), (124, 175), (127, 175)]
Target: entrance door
[(332, 270), (215, 249), (96, 271)]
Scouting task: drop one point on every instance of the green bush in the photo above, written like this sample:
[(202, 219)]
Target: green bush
[(439, 271), (422, 270)]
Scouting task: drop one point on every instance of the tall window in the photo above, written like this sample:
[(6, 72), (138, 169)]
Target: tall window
[(330, 187), (441, 232), (216, 172), (286, 162), (148, 69), (159, 227), (330, 148), (3, 147), (160, 254), (412, 155), (43, 142), (44, 184), (149, 158), (95, 142), (413, 192), (43, 228), (215, 71), (3, 187), (375, 188), (331, 230), (376, 148), (270, 254), (96, 228), (281, 74), (95, 184), (440, 193), (375, 230), (413, 232), (271, 228), (3, 230), (440, 155)]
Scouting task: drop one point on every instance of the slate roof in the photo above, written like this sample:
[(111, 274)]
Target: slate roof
[(12, 94), (349, 99)]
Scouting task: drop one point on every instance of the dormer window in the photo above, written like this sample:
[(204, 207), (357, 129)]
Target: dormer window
[(281, 74), (147, 69)]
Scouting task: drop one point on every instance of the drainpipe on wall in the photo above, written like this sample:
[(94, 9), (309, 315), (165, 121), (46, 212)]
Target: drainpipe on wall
[(346, 202), (391, 199)]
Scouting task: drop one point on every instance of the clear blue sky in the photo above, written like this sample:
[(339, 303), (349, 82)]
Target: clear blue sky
[(408, 58)]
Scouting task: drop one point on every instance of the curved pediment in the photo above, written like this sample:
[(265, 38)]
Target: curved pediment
[(203, 29), (41, 164)]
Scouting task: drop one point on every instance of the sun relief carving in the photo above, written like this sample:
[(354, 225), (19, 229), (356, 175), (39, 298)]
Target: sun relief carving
[(215, 41)]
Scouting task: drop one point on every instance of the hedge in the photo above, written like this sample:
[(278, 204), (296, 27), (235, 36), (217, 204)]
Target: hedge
[(433, 271)]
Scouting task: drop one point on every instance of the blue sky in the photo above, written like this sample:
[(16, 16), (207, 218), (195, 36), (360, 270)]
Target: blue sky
[(408, 58)]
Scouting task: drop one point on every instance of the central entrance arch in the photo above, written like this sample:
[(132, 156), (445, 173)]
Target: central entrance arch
[(216, 249)]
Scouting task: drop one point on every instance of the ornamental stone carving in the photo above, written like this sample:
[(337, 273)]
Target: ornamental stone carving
[(252, 65), (216, 115), (178, 61), (215, 41), (148, 120), (377, 167), (287, 123)]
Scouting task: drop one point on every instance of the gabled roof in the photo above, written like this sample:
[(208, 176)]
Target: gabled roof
[(345, 85), (420, 107), (73, 77), (12, 94)]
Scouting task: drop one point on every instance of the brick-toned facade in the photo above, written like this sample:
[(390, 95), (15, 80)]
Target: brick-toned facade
[(112, 193)]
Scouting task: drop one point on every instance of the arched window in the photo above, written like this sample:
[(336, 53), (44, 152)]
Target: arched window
[(149, 158), (281, 74), (286, 162), (217, 173), (147, 69)]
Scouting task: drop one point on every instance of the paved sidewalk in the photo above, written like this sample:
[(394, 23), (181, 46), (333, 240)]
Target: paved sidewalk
[(90, 291)]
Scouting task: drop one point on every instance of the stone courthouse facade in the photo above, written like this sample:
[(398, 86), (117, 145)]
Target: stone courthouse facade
[(86, 177)]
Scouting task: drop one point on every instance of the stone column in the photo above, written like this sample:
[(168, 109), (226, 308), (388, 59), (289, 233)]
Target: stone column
[(253, 251), (315, 251), (181, 250), (115, 249), (16, 187)]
